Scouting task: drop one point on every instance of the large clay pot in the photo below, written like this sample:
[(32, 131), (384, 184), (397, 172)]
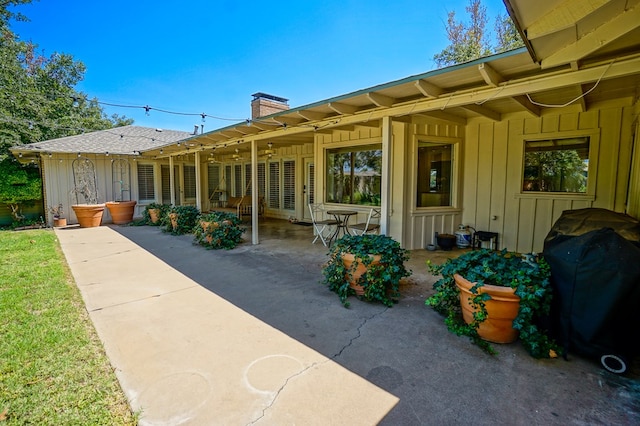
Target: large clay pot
[(89, 215), (121, 211), (502, 309), (354, 276)]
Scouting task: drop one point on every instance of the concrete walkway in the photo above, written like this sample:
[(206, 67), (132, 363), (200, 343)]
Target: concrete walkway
[(249, 336)]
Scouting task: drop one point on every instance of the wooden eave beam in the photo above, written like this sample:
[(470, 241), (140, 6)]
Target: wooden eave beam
[(263, 125), (622, 67), (288, 121), (342, 108), (562, 16), (483, 111), (231, 133), (427, 89), (312, 115), (446, 116), (606, 33), (373, 123), (527, 105), (381, 100), (490, 76), (248, 130)]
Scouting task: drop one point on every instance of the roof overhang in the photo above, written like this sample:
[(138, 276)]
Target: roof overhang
[(569, 32)]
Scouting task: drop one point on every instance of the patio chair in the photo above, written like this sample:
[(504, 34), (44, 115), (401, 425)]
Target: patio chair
[(372, 225), (321, 226)]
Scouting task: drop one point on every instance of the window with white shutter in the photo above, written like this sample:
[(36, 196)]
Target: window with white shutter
[(274, 185), (289, 184), (146, 189)]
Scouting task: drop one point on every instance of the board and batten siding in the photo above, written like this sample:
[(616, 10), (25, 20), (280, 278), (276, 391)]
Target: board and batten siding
[(421, 224), (493, 161)]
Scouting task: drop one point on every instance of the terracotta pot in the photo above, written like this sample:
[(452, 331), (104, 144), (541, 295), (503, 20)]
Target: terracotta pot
[(174, 220), (154, 215), (59, 222), (502, 309), (354, 276), (89, 215), (121, 211)]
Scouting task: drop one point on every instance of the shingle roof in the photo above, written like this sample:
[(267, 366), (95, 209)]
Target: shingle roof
[(119, 140)]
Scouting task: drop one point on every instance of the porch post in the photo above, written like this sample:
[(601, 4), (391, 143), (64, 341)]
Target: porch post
[(385, 179), (254, 192), (171, 180), (198, 183)]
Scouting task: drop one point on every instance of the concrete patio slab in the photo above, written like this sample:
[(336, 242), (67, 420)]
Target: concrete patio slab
[(249, 336)]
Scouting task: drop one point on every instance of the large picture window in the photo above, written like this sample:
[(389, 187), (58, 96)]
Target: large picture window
[(435, 174), (354, 175), (556, 165)]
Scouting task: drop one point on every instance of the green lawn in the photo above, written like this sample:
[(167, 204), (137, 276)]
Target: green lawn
[(53, 369)]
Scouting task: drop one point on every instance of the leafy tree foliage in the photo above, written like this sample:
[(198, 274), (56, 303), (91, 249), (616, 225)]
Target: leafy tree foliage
[(471, 40), (38, 102)]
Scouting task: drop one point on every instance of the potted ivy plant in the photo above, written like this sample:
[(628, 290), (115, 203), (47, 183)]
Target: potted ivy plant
[(154, 212), (474, 286), (369, 266), (218, 230), (181, 219)]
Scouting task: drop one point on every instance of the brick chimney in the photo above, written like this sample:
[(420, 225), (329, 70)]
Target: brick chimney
[(263, 104)]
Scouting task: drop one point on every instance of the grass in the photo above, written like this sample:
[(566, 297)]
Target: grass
[(53, 368)]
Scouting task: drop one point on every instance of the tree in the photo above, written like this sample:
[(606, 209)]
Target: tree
[(38, 102), (471, 41)]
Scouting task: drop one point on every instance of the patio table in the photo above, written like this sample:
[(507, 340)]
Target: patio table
[(342, 217)]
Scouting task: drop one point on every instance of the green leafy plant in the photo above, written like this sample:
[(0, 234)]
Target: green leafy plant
[(185, 216), (218, 230), (381, 280), (163, 210), (531, 281)]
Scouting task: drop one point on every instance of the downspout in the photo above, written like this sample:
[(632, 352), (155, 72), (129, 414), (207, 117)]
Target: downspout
[(385, 180)]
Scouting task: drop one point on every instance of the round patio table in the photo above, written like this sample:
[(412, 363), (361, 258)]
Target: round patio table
[(342, 217)]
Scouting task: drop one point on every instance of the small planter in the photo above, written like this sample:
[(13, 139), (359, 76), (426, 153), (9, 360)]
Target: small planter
[(173, 217), (89, 215), (59, 222), (446, 241), (502, 309), (354, 275), (121, 211), (154, 215)]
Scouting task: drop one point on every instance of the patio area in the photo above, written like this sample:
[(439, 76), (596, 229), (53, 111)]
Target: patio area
[(250, 336)]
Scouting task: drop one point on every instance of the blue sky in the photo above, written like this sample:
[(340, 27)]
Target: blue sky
[(211, 56)]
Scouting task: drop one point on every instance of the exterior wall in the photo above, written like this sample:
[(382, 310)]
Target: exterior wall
[(58, 183), (361, 135), (421, 223), (494, 152), (633, 205)]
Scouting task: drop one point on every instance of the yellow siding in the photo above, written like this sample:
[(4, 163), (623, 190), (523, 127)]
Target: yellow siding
[(493, 166)]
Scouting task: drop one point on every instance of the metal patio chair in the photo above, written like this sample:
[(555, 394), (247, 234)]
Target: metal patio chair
[(371, 226), (321, 226)]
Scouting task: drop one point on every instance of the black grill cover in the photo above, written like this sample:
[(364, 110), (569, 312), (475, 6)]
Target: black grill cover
[(596, 280)]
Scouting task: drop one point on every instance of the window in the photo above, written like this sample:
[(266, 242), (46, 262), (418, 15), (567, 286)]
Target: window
[(289, 184), (556, 165), (214, 182), (146, 189), (354, 175), (189, 181), (274, 185), (435, 174)]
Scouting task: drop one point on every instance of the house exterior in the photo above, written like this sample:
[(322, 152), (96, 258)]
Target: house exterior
[(502, 144)]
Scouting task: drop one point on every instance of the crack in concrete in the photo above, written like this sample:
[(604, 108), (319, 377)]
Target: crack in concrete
[(141, 299), (299, 373)]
